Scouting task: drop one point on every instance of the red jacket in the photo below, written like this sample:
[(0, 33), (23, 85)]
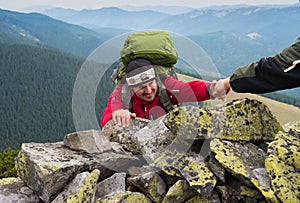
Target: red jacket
[(180, 92)]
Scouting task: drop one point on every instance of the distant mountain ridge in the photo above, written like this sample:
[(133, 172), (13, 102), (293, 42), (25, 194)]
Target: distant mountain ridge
[(41, 30), (109, 17)]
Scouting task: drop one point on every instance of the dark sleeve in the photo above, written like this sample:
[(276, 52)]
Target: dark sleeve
[(268, 74)]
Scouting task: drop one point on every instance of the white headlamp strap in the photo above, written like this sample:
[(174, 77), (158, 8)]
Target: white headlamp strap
[(141, 77)]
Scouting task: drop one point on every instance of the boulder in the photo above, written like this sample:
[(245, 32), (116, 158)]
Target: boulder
[(239, 120), (234, 152), (283, 164), (48, 167)]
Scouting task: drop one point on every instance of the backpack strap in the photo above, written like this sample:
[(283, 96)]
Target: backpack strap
[(163, 95), (126, 97)]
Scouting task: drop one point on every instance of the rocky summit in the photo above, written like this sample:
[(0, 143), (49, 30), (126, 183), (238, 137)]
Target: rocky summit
[(234, 152)]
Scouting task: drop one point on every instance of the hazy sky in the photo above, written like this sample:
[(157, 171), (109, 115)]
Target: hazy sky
[(21, 5)]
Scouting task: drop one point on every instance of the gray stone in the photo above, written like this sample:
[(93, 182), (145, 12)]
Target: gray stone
[(14, 190), (151, 184), (239, 120), (90, 141), (179, 192), (125, 197), (111, 186), (81, 189), (48, 167)]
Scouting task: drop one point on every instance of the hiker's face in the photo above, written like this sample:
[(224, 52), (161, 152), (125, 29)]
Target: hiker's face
[(146, 91)]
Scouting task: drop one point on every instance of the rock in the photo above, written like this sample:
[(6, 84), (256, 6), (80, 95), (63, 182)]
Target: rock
[(179, 192), (80, 189), (113, 185), (125, 197), (191, 168), (245, 162), (239, 120), (214, 198), (14, 190), (216, 168), (235, 152), (283, 164), (125, 136), (151, 184), (154, 139), (47, 167), (90, 141)]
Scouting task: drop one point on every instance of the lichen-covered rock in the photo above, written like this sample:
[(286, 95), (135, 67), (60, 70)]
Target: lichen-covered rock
[(179, 192), (234, 189), (151, 184), (191, 168), (214, 198), (155, 138), (125, 136), (283, 165), (239, 120), (14, 190), (246, 162), (80, 189), (48, 167), (125, 197), (112, 185), (216, 168), (293, 126)]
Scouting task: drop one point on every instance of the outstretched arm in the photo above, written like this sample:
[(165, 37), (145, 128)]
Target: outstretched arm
[(281, 71)]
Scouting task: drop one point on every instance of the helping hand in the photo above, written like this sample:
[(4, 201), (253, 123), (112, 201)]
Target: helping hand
[(220, 88), (122, 117)]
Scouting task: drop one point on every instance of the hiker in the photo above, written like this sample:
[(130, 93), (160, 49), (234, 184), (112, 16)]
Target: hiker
[(279, 72), (145, 88)]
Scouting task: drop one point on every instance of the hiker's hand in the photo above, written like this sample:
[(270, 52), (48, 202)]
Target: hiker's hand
[(122, 117), (220, 88)]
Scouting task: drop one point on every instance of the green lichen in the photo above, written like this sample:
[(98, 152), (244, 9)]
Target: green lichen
[(49, 168), (178, 192), (239, 120), (191, 168), (228, 158), (188, 121), (199, 177), (249, 192), (85, 193), (214, 198), (245, 162), (282, 165), (21, 166), (268, 193), (8, 181)]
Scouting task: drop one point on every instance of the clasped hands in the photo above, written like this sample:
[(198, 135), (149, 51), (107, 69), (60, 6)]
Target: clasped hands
[(219, 89)]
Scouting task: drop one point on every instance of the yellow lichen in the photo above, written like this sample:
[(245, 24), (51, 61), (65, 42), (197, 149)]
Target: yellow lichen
[(21, 166), (204, 180), (266, 192), (48, 168), (282, 165), (7, 181), (249, 192), (228, 159), (85, 193)]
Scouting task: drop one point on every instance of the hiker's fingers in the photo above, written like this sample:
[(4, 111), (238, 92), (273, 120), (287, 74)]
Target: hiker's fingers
[(121, 117)]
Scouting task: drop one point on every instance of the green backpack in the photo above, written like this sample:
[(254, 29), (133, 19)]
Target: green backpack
[(156, 46)]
